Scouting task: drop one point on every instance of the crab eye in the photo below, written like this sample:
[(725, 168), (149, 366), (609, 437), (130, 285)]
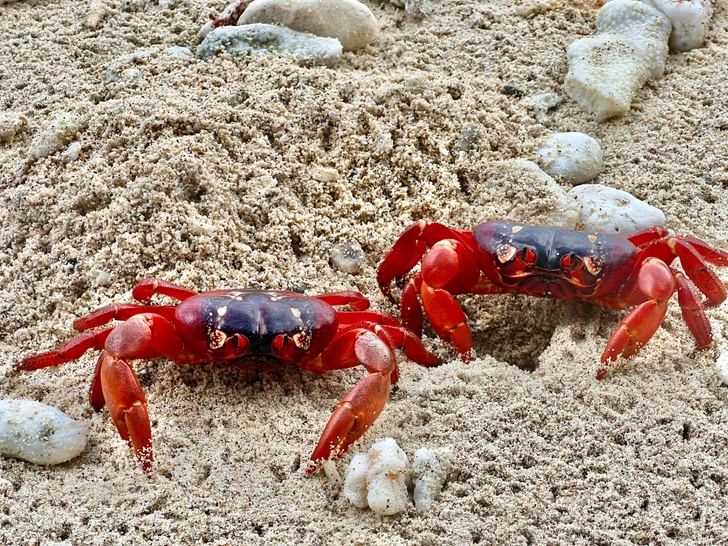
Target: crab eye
[(571, 262), (528, 256), (238, 342), (281, 342)]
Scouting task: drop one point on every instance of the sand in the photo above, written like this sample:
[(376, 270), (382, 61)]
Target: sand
[(245, 173)]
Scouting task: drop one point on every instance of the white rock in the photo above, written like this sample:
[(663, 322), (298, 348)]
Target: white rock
[(607, 70), (574, 156), (179, 51), (379, 479), (259, 39), (383, 143), (349, 21), (690, 21), (721, 368), (39, 433), (614, 212), (430, 469)]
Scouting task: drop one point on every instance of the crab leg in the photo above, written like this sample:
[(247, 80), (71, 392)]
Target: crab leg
[(448, 319), (146, 288), (360, 407), (657, 282), (348, 297), (375, 317), (143, 336), (71, 350), (120, 311), (688, 297), (700, 273), (409, 247)]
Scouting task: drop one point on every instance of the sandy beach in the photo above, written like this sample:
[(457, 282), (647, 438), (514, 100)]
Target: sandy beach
[(244, 173)]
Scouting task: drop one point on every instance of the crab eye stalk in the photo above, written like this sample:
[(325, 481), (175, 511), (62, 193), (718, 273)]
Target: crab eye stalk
[(571, 262), (528, 256), (281, 342), (238, 343)]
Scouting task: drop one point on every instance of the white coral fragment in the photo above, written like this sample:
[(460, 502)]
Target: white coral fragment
[(430, 469), (721, 368), (630, 48), (39, 433), (379, 479), (690, 21)]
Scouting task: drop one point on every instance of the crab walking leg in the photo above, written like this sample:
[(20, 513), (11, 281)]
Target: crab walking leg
[(688, 297), (146, 288), (413, 347), (394, 335), (375, 317), (361, 406), (71, 350), (657, 282), (696, 268), (127, 405), (351, 298), (410, 310), (406, 252), (120, 311)]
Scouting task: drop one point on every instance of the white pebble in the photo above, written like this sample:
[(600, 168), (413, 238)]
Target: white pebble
[(576, 157), (690, 21), (630, 48), (351, 22), (179, 51), (73, 152), (614, 212), (721, 368), (347, 257), (39, 433), (430, 469), (95, 15), (381, 476)]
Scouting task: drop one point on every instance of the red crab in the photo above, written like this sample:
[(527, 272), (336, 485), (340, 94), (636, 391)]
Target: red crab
[(500, 257), (227, 326)]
